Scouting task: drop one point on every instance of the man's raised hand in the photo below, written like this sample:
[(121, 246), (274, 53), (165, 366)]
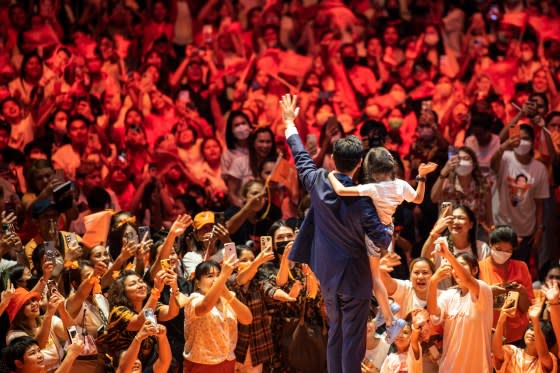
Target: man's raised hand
[(290, 111)]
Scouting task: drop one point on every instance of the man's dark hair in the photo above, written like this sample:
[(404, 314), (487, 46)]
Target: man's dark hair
[(6, 127), (98, 199), (347, 153), (75, 118), (483, 120), (16, 350)]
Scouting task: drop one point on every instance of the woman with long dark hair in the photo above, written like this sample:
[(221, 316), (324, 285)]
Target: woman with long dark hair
[(459, 230), (130, 301), (461, 182), (261, 146)]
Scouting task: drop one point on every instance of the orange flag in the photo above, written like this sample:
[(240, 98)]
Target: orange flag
[(515, 19), (546, 28), (285, 174), (500, 74), (97, 228)]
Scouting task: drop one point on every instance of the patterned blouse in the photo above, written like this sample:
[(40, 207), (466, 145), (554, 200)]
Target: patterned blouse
[(117, 339), (256, 337), (473, 197), (210, 338)]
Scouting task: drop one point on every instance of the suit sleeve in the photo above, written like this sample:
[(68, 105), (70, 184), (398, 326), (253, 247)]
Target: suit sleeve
[(307, 169), (378, 233)]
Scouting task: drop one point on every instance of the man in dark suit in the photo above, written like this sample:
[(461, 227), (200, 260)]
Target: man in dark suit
[(332, 240)]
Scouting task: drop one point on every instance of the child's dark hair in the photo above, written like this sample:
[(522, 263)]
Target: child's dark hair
[(378, 161)]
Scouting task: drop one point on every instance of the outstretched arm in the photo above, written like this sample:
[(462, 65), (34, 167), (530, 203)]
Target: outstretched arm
[(540, 341), (342, 190), (423, 170), (307, 170)]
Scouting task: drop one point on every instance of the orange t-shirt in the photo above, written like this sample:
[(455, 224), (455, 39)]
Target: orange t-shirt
[(515, 271)]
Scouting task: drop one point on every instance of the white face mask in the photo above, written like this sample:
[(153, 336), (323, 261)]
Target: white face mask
[(524, 147), (241, 132), (500, 257), (464, 168)]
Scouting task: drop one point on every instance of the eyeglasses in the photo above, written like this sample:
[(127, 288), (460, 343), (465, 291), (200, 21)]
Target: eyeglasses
[(553, 277)]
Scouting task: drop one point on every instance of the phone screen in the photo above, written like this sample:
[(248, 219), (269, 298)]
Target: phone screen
[(142, 231)]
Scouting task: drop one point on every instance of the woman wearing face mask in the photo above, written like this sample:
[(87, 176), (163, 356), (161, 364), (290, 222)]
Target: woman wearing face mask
[(461, 182), (261, 146), (527, 64), (504, 274), (433, 48), (521, 203), (443, 96), (298, 282), (237, 132)]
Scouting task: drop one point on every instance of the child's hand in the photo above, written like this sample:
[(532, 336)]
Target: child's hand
[(426, 168)]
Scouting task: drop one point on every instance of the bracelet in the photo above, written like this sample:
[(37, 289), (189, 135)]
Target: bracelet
[(434, 235), (421, 179), (442, 176)]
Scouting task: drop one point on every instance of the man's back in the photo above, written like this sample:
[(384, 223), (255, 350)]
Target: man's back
[(332, 237)]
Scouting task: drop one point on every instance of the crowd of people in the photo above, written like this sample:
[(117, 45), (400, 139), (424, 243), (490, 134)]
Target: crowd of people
[(149, 198)]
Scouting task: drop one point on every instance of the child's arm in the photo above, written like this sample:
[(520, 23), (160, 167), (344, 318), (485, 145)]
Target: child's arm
[(497, 343), (540, 341), (341, 190), (423, 170)]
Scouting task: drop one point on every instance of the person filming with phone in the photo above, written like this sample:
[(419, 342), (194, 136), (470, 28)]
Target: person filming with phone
[(211, 319), (505, 275)]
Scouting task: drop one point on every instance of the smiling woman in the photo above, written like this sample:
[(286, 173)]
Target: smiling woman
[(128, 298)]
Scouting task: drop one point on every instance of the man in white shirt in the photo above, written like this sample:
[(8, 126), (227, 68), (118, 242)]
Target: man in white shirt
[(522, 188)]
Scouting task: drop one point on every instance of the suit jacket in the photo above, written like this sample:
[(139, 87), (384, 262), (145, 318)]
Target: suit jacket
[(332, 236)]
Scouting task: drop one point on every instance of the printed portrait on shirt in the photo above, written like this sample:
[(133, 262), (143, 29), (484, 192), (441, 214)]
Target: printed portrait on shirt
[(518, 188)]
